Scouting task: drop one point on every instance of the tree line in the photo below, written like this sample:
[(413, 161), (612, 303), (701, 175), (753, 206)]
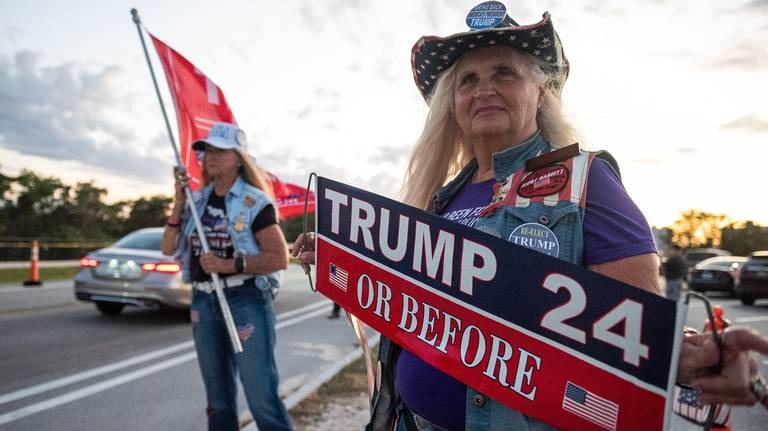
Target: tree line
[(695, 229), (70, 220), (33, 206)]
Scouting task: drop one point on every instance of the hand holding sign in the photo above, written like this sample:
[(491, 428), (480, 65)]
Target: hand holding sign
[(304, 250), (732, 384)]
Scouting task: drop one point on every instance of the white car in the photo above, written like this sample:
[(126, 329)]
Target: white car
[(132, 272)]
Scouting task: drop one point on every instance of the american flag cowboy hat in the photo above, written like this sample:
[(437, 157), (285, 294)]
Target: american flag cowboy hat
[(489, 26)]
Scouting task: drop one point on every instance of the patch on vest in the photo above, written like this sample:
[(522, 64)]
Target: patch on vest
[(490, 230), (536, 237), (240, 222), (499, 191), (544, 181)]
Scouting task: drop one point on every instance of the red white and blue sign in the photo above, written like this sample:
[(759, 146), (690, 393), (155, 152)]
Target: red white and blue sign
[(548, 338)]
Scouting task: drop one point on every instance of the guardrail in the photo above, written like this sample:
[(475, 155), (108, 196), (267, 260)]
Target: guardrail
[(15, 264), (20, 250)]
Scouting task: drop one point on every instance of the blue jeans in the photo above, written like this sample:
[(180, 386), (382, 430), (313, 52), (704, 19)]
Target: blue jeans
[(255, 322)]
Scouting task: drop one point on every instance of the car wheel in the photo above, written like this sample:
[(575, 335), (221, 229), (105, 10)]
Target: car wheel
[(746, 300), (109, 308)]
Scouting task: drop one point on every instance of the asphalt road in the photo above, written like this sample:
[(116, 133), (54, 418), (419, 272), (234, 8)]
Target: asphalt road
[(67, 367)]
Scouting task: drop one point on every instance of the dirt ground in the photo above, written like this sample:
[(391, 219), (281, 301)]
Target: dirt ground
[(339, 404)]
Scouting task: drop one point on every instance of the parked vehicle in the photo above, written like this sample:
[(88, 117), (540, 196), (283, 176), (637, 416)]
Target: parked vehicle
[(696, 255), (133, 272), (753, 283), (718, 274)]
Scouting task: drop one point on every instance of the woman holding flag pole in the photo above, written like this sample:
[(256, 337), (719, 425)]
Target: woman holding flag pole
[(229, 227), (495, 116), (248, 249)]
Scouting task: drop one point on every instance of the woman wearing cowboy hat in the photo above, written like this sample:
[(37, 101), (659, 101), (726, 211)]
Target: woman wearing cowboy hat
[(495, 154), (247, 249)]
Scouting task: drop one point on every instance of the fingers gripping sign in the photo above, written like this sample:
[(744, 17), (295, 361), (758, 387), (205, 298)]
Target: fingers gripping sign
[(304, 250), (734, 384)]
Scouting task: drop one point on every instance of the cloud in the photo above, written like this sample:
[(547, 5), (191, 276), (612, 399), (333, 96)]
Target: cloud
[(386, 183), (648, 161), (296, 167), (63, 113), (756, 4), (392, 155), (746, 54), (749, 123), (686, 151), (11, 34)]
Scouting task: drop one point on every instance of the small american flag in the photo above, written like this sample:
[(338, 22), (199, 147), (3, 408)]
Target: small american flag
[(338, 277), (686, 404), (245, 332), (591, 407)]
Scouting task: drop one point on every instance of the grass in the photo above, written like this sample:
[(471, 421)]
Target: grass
[(19, 275)]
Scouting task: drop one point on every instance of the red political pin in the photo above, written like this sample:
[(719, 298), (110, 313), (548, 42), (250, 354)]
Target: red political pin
[(544, 181), (499, 191)]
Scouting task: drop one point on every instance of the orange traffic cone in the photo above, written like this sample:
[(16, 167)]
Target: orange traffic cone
[(34, 270)]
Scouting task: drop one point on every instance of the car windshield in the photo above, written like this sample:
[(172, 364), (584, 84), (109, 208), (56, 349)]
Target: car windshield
[(141, 241), (722, 264), (696, 257)]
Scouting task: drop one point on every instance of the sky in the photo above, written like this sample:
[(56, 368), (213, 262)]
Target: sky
[(675, 90)]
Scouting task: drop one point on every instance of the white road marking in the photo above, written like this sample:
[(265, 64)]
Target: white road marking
[(74, 378), (284, 320), (93, 389), (751, 319), (47, 285), (303, 309), (295, 320)]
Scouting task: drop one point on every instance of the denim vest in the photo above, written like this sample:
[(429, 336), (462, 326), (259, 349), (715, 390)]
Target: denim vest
[(562, 213), (243, 203)]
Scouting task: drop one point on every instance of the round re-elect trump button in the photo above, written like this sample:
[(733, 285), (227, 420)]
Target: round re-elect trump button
[(536, 237)]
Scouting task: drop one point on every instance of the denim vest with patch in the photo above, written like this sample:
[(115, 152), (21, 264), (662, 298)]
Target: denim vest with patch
[(243, 203)]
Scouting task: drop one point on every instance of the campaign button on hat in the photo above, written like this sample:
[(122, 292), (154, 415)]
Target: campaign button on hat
[(536, 237), (486, 15), (226, 136)]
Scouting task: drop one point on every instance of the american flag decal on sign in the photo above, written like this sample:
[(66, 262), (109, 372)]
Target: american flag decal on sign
[(338, 277), (591, 407)]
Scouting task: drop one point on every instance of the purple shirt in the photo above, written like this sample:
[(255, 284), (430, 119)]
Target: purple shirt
[(614, 228)]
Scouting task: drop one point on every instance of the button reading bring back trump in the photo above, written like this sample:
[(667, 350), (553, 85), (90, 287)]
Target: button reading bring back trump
[(536, 237)]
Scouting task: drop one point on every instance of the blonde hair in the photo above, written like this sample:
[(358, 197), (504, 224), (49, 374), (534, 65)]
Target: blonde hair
[(249, 171), (441, 152)]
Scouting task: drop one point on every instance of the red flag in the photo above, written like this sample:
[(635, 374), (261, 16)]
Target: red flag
[(290, 197), (199, 104)]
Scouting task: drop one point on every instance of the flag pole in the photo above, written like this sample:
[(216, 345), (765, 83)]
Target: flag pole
[(225, 311)]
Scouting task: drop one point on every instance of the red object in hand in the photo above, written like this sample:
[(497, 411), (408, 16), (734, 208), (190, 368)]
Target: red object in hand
[(720, 322)]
